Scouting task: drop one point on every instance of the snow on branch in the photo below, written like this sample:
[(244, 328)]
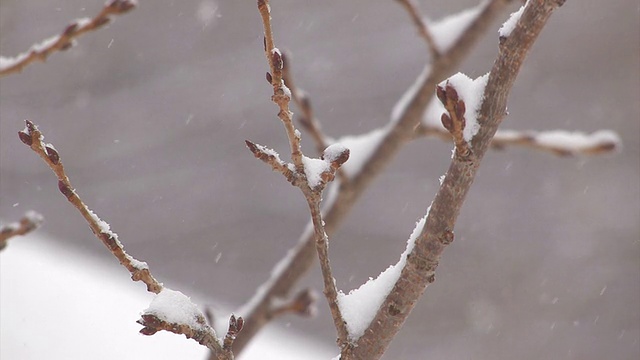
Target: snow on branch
[(360, 306), (32, 137), (66, 39), (557, 142), (448, 30), (561, 142), (379, 149), (310, 175), (462, 98), (29, 222), (437, 233), (175, 312), (170, 310)]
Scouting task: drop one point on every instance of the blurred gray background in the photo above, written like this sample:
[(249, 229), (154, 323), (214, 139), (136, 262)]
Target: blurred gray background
[(150, 116)]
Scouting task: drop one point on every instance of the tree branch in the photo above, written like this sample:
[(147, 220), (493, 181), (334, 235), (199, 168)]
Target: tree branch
[(29, 222), (421, 26), (400, 131), (66, 39), (437, 233), (557, 142), (310, 175), (155, 318)]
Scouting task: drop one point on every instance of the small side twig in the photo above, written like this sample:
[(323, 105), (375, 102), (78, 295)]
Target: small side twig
[(566, 143), (310, 175), (307, 119), (32, 137), (235, 326), (29, 222), (303, 304), (421, 26), (161, 314), (66, 39)]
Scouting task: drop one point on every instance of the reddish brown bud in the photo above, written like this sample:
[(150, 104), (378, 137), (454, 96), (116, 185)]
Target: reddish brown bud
[(441, 94), (25, 138), (239, 324), (452, 94), (30, 126), (460, 109), (446, 122), (122, 6), (148, 331), (276, 58), (65, 190), (70, 29), (52, 154), (269, 78)]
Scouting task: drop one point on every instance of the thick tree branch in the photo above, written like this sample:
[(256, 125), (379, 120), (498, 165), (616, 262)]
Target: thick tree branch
[(437, 233), (400, 132), (66, 39)]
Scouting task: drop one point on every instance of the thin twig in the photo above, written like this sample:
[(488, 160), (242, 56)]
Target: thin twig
[(29, 222), (66, 39), (307, 119), (152, 322), (437, 232), (598, 143), (421, 26), (310, 175), (304, 253), (32, 137)]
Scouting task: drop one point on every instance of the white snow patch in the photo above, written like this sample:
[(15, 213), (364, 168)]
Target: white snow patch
[(361, 147), (176, 308), (471, 92), (359, 307), (447, 31), (92, 311), (313, 169), (333, 152), (508, 26), (575, 141)]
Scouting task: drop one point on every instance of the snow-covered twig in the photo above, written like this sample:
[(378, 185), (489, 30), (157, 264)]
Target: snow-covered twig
[(170, 310), (399, 133), (557, 142), (29, 222), (310, 175), (66, 39), (437, 233), (422, 27), (32, 137)]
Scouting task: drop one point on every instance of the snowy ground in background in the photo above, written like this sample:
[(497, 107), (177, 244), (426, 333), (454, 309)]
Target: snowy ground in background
[(56, 304)]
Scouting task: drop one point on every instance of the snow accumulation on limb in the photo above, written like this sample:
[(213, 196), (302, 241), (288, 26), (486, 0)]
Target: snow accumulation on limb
[(447, 31), (359, 307), (508, 26), (361, 148)]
